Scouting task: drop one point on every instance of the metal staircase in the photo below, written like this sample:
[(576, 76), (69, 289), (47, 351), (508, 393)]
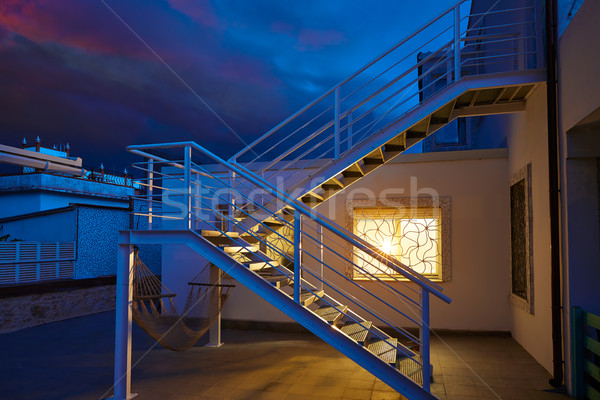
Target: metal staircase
[(252, 215), (463, 63), (296, 259)]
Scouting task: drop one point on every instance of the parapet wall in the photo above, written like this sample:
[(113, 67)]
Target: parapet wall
[(24, 310)]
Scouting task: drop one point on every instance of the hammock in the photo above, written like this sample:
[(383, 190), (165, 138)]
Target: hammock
[(155, 311)]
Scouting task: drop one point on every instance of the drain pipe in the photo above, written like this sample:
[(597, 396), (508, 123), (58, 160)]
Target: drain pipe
[(554, 191)]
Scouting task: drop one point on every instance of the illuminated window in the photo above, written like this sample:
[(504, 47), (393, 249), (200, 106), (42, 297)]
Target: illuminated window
[(414, 235)]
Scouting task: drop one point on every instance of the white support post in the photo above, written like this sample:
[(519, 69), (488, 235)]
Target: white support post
[(124, 288), (187, 161), (425, 342), (457, 43), (336, 125), (297, 254), (214, 334), (321, 249), (150, 191)]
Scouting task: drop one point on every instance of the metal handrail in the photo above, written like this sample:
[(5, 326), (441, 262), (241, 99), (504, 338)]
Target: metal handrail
[(346, 295), (341, 232), (320, 134)]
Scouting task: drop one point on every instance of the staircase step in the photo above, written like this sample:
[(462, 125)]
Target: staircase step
[(385, 349), (260, 265), (331, 314), (270, 225), (374, 157), (239, 249), (332, 184), (411, 368), (311, 198), (278, 281), (209, 233), (251, 239), (357, 331), (307, 298)]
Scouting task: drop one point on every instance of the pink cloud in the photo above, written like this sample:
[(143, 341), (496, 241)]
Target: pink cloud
[(69, 23)]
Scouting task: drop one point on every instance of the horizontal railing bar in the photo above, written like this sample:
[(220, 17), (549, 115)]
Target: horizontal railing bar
[(353, 299), (357, 266), (500, 11), (341, 232)]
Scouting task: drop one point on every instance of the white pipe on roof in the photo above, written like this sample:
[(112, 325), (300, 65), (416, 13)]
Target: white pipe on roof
[(40, 164)]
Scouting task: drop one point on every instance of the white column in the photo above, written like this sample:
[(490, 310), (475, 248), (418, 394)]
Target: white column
[(214, 334), (124, 289)]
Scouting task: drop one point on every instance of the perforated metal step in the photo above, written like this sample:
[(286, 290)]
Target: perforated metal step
[(307, 298), (385, 349), (357, 331), (331, 314), (411, 368)]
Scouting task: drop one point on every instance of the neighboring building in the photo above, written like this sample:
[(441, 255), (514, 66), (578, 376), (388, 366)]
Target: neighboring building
[(60, 222)]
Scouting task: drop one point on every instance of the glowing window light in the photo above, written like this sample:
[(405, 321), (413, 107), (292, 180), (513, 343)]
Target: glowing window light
[(412, 236)]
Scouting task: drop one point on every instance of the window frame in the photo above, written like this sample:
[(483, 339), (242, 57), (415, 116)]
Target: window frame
[(405, 203), (523, 174)]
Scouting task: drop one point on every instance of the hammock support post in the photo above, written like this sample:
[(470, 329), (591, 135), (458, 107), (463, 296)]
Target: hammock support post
[(124, 289), (214, 333)]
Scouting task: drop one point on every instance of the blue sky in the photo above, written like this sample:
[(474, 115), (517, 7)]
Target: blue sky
[(104, 74), (72, 71)]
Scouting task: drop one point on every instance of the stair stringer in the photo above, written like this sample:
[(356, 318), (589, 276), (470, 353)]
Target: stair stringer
[(428, 107), (284, 303)]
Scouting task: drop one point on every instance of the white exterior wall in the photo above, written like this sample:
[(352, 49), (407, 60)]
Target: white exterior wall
[(479, 238), (479, 228), (579, 96), (527, 138)]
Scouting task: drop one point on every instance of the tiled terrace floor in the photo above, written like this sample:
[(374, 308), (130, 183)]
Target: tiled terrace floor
[(73, 360)]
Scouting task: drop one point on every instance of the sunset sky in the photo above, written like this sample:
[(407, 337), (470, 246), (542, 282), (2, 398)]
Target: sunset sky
[(90, 72), (104, 74)]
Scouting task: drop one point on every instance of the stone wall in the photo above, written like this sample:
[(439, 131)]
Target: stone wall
[(40, 308)]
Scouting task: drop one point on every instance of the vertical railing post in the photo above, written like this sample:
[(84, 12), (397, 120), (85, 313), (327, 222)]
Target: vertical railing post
[(425, 344), (196, 208), (336, 125), (349, 130), (150, 196), (124, 289), (297, 254), (321, 249), (577, 352), (457, 43), (231, 208), (187, 163)]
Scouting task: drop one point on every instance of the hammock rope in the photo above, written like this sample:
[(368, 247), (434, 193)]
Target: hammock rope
[(154, 308)]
